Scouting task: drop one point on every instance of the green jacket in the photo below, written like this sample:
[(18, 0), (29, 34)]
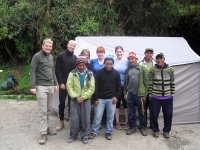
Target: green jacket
[(74, 87), (143, 81)]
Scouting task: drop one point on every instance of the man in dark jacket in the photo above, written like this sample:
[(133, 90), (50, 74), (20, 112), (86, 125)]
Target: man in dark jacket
[(107, 92), (65, 63)]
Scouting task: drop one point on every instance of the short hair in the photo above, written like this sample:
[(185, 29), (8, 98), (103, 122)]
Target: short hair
[(100, 49), (47, 40), (85, 51), (118, 47), (72, 41)]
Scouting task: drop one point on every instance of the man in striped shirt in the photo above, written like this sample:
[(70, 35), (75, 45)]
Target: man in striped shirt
[(161, 93)]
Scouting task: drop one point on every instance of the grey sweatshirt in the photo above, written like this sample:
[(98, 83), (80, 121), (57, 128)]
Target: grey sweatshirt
[(42, 70)]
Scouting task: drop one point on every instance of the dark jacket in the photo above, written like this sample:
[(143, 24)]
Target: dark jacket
[(65, 63)]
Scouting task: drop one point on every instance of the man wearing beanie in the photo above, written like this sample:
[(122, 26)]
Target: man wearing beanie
[(136, 89), (80, 87), (65, 63), (107, 92)]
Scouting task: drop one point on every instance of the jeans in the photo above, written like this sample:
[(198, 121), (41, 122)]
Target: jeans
[(167, 110), (133, 101), (98, 112)]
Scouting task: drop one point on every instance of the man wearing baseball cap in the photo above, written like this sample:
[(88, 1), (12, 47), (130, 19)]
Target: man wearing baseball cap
[(136, 89), (161, 93), (148, 62), (80, 86)]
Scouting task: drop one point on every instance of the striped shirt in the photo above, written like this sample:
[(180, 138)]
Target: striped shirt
[(161, 81)]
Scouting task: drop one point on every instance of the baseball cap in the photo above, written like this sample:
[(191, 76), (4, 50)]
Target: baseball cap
[(160, 55), (132, 54), (149, 50)]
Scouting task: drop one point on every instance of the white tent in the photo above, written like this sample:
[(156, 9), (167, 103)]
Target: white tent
[(178, 54)]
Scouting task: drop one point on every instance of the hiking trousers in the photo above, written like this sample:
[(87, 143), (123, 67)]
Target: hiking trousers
[(44, 96)]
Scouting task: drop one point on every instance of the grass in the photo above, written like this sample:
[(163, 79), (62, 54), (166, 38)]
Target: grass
[(22, 76)]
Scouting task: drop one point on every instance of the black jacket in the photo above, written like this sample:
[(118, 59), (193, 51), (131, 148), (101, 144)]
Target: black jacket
[(65, 63)]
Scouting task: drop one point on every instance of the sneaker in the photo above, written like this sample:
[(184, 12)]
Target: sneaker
[(85, 141), (51, 132), (92, 135), (166, 135), (156, 134), (70, 140), (43, 139), (118, 127), (126, 126), (108, 136), (143, 131), (131, 131)]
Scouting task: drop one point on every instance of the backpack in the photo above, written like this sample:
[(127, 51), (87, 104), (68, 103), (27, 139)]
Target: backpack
[(9, 83)]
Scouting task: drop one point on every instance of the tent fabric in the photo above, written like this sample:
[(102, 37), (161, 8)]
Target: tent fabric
[(175, 49), (177, 53)]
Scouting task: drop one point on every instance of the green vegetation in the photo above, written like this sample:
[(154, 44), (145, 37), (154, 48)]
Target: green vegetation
[(21, 74), (25, 23)]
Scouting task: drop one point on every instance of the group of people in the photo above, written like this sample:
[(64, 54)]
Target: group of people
[(109, 82)]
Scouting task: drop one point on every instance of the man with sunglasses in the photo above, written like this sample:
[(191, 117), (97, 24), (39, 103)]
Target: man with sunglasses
[(148, 62), (136, 89)]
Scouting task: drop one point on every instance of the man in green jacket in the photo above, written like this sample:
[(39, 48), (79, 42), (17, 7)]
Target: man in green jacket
[(136, 89), (43, 84), (80, 86)]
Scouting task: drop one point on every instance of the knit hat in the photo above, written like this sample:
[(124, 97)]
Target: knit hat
[(109, 57), (81, 59), (160, 55), (132, 54)]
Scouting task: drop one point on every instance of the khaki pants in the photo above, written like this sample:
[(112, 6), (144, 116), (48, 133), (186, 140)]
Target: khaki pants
[(44, 96)]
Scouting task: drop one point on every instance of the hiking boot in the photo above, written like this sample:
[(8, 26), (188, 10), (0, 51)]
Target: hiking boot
[(51, 132), (43, 139), (60, 126), (118, 127), (85, 141), (131, 131), (108, 136), (70, 140), (126, 126), (156, 134), (166, 135), (92, 135), (143, 132)]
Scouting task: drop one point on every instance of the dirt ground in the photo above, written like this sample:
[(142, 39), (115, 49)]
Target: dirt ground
[(19, 130)]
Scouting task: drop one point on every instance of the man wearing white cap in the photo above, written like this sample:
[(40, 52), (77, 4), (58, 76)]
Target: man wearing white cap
[(136, 89), (80, 86), (148, 62)]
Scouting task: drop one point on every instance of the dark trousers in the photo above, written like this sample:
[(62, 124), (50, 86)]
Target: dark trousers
[(62, 97), (133, 101), (167, 110), (147, 105)]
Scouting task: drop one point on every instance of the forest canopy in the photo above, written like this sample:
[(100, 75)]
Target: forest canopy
[(25, 23)]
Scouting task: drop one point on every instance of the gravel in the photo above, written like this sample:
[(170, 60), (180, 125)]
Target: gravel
[(19, 130)]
